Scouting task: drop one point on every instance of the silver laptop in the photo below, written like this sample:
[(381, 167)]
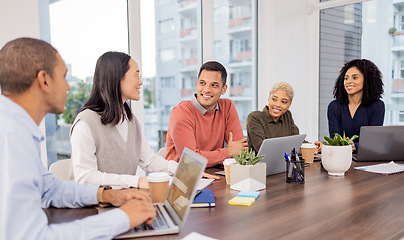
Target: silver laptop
[(274, 150), (171, 215), (381, 143)]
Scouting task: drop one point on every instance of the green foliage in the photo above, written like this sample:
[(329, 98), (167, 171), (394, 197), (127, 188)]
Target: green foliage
[(149, 89), (247, 157), (338, 140), (392, 30), (76, 98)]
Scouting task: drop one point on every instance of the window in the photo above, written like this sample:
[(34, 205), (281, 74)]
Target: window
[(401, 117), (81, 40), (167, 82), (402, 69), (401, 22), (167, 55), (177, 63), (344, 34), (235, 47), (240, 50), (180, 55), (166, 26)]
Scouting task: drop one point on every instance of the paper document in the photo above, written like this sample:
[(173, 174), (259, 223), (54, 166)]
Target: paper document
[(383, 168), (197, 236), (203, 183)]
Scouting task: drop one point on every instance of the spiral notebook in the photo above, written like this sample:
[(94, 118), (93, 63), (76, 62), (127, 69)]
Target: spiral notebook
[(383, 168)]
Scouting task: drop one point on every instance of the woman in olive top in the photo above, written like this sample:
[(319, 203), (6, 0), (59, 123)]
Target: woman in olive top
[(275, 120)]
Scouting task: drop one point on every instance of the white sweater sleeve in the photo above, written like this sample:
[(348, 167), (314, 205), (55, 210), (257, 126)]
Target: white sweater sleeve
[(85, 162), (150, 162)]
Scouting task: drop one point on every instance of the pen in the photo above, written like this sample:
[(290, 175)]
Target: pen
[(290, 171)]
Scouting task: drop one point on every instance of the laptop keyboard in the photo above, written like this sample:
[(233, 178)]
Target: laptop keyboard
[(159, 222)]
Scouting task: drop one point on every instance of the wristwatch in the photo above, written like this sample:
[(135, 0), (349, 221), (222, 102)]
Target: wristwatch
[(99, 196)]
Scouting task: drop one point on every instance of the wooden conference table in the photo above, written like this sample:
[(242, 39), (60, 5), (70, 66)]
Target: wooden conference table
[(360, 205)]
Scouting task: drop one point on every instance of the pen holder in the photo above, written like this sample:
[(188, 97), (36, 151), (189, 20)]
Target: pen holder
[(295, 171)]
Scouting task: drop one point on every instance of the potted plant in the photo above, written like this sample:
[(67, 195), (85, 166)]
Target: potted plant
[(336, 154), (392, 30), (248, 173)]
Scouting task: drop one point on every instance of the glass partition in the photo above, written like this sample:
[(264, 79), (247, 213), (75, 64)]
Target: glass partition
[(81, 31)]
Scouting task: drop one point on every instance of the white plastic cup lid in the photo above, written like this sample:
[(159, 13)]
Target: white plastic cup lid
[(308, 145), (158, 177), (229, 161)]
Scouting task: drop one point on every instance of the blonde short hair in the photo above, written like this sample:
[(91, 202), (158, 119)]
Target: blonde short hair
[(284, 86)]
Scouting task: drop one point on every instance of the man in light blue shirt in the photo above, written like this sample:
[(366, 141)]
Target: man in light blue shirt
[(32, 80)]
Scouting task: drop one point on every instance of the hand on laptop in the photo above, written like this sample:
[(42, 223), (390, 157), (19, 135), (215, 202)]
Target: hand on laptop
[(120, 197), (235, 147), (139, 211)]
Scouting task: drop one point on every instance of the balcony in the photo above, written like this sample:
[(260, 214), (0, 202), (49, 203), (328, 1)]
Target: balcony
[(188, 32), (240, 22), (398, 41), (398, 85), (184, 5), (397, 1), (188, 62), (187, 92), (242, 57), (240, 91)]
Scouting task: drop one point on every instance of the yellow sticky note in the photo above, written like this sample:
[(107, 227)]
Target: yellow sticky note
[(243, 201)]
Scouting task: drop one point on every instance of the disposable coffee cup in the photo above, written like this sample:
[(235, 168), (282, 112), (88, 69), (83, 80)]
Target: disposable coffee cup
[(226, 163), (308, 150), (158, 186)]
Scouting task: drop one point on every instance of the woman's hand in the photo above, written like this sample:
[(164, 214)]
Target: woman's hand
[(319, 145), (352, 144), (210, 176)]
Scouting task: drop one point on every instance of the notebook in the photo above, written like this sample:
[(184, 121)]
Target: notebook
[(380, 143), (204, 198), (242, 201), (173, 213), (254, 194), (274, 150)]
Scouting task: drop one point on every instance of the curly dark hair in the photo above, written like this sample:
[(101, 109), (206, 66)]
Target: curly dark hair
[(372, 81)]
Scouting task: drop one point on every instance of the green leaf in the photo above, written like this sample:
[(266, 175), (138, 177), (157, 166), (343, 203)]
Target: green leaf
[(338, 140), (247, 157)]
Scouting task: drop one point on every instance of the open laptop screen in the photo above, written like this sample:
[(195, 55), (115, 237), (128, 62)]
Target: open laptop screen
[(183, 185)]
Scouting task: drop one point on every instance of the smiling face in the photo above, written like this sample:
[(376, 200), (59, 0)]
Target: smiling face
[(131, 82), (278, 103), (209, 88), (353, 81)]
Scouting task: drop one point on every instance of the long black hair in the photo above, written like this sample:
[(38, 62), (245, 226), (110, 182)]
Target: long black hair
[(372, 82), (106, 96)]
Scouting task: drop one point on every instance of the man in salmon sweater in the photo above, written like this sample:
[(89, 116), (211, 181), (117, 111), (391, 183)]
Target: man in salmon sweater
[(205, 122)]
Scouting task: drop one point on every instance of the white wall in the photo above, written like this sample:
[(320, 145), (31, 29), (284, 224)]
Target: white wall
[(20, 18), (286, 41)]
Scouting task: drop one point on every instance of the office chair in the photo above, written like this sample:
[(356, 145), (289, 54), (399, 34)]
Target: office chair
[(61, 169)]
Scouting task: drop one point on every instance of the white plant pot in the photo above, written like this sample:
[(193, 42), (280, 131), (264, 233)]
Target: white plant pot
[(336, 159), (248, 177)]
